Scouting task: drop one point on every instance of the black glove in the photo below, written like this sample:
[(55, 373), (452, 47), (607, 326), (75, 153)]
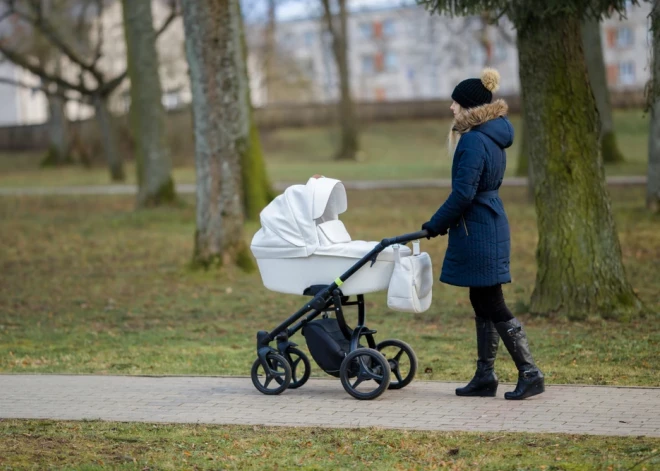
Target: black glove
[(429, 230)]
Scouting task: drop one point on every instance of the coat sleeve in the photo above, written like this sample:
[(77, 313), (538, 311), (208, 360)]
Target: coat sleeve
[(470, 164)]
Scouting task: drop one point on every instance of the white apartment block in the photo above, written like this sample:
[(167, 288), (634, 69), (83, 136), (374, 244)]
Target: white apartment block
[(403, 53), (395, 53)]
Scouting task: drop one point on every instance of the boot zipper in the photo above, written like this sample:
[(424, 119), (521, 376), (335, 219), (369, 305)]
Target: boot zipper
[(465, 226)]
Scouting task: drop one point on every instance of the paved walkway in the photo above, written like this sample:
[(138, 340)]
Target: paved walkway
[(187, 188), (423, 405)]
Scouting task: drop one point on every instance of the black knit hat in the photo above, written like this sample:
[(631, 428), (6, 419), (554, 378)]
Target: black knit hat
[(477, 91)]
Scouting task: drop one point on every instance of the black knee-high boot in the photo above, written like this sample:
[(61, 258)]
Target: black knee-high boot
[(484, 383), (530, 378)]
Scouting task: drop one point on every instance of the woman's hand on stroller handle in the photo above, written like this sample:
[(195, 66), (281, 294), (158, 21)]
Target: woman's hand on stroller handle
[(405, 238)]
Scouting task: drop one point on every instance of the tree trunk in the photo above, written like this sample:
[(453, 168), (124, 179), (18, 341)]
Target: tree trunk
[(653, 184), (58, 133), (580, 272), (349, 145), (154, 164), (109, 139), (593, 51), (221, 122), (269, 52), (522, 170), (257, 190)]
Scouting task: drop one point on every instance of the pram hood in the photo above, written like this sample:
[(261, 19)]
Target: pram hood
[(289, 222)]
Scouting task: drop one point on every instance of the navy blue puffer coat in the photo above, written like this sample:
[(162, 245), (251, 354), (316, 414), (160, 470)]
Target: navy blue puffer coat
[(479, 241)]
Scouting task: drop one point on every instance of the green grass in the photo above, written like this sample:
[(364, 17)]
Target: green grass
[(104, 445), (392, 150), (87, 285)]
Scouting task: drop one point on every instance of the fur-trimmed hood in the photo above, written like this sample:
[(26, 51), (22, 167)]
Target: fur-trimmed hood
[(490, 120)]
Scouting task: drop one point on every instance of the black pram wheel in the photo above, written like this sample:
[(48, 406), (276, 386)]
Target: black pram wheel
[(279, 370), (298, 359), (362, 365), (402, 360)]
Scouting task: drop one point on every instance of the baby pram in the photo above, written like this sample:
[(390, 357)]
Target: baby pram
[(300, 249)]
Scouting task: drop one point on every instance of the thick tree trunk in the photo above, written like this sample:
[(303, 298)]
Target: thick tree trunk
[(221, 121), (154, 164), (349, 145), (580, 272), (257, 190), (109, 139), (593, 51), (653, 185), (58, 133)]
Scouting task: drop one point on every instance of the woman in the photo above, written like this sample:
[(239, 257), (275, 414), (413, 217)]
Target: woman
[(479, 241)]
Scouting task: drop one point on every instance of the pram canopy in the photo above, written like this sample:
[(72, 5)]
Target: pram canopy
[(289, 224)]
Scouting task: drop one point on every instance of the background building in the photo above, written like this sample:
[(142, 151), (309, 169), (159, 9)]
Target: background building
[(395, 53)]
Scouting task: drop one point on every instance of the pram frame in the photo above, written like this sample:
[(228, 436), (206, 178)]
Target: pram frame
[(327, 298)]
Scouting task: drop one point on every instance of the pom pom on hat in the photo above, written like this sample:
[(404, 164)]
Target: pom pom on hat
[(477, 91), (491, 79)]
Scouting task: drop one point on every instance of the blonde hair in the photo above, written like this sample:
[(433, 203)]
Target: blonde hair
[(454, 136)]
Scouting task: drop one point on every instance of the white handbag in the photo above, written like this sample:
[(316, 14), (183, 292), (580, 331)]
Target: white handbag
[(411, 285)]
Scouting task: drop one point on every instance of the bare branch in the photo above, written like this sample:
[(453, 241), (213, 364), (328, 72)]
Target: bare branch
[(41, 88), (327, 14), (99, 44), (110, 86), (39, 71), (168, 21), (81, 18), (21, 84), (42, 24)]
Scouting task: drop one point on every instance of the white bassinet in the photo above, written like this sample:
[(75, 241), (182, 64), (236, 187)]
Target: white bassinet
[(303, 243)]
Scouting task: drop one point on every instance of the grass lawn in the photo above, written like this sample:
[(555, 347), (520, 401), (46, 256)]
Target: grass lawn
[(392, 150), (90, 286), (102, 445)]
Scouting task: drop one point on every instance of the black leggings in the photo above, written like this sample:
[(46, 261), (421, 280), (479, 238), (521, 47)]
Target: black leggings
[(488, 303)]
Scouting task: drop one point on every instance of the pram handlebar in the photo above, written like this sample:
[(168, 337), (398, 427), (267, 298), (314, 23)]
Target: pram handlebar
[(405, 238), (321, 298)]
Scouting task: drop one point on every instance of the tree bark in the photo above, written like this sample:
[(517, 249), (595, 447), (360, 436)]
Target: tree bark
[(593, 51), (257, 190), (221, 122), (154, 164), (653, 182), (58, 133), (580, 272), (109, 139), (349, 145)]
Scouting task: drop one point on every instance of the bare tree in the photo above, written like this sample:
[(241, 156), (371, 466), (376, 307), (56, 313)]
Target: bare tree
[(154, 163), (653, 185), (335, 16), (593, 52), (221, 117), (80, 41)]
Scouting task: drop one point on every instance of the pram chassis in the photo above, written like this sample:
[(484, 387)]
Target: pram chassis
[(277, 363)]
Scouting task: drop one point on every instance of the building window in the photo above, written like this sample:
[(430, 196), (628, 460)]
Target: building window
[(477, 54), (367, 65), (627, 73), (379, 62), (624, 37), (389, 30), (390, 62), (365, 30), (378, 30), (500, 51)]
